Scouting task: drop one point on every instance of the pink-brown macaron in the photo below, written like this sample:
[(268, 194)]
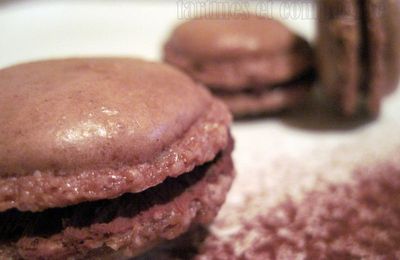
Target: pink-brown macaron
[(106, 157), (359, 52), (254, 64)]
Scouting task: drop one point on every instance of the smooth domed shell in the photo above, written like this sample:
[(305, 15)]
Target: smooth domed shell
[(90, 113), (219, 37)]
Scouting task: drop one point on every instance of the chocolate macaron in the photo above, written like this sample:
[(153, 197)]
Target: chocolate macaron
[(359, 52), (254, 64), (106, 157)]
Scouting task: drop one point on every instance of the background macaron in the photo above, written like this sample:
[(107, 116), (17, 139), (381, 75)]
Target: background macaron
[(106, 156), (358, 52), (254, 64)]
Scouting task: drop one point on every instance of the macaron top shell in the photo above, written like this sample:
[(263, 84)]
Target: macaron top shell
[(338, 48), (92, 113), (392, 54), (221, 37)]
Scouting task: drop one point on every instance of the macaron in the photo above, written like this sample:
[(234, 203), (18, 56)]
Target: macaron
[(358, 52), (255, 64), (106, 157)]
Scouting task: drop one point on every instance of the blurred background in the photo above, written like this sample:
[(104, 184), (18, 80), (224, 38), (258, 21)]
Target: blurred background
[(32, 30)]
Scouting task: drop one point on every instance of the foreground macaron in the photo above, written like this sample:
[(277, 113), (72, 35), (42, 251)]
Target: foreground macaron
[(254, 64), (106, 157), (359, 51)]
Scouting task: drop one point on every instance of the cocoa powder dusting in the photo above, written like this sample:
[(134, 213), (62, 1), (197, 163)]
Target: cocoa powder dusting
[(359, 219), (356, 220)]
